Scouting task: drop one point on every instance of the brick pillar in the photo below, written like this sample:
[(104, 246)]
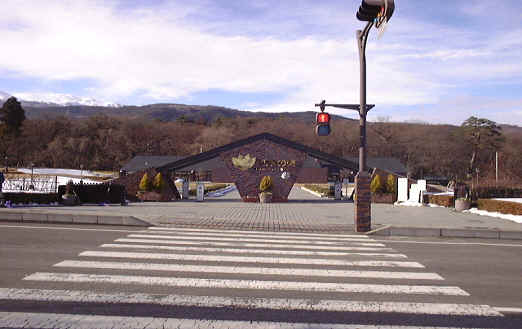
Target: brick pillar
[(363, 203)]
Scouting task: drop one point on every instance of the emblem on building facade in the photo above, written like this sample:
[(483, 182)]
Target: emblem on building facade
[(243, 162)]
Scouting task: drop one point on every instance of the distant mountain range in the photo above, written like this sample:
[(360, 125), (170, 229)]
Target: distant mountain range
[(75, 107)]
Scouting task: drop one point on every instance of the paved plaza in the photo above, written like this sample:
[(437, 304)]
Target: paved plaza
[(304, 212)]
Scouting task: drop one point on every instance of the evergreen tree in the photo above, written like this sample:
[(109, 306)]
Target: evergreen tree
[(159, 183), (145, 183), (481, 135), (12, 115), (391, 185), (376, 186)]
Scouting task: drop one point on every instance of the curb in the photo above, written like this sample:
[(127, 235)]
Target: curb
[(30, 217), (446, 233)]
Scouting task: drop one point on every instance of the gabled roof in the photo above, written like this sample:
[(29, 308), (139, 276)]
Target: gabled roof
[(141, 162), (392, 165), (191, 160)]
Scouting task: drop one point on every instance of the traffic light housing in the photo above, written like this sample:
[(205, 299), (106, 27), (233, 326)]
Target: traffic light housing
[(322, 124), (371, 9)]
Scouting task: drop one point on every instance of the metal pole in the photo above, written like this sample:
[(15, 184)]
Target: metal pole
[(363, 201), (496, 168)]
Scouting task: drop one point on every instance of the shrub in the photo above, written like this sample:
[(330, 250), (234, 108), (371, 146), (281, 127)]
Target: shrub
[(145, 184), (488, 192), (266, 184), (159, 183), (391, 184), (29, 198), (440, 200), (376, 186), (96, 193), (504, 207)]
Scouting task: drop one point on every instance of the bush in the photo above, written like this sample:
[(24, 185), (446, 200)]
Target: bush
[(28, 198), (440, 200), (145, 183), (376, 186), (96, 193), (391, 184), (159, 183), (504, 207), (491, 192), (266, 184)]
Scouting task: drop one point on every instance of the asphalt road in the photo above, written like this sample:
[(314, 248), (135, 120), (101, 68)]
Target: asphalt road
[(54, 276)]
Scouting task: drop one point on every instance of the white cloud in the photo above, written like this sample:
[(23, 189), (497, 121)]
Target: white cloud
[(154, 52)]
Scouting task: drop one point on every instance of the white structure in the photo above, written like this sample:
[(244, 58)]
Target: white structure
[(200, 191), (402, 190), (414, 193), (338, 191), (185, 190)]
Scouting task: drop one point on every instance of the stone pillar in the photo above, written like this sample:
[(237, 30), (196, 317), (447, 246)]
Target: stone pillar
[(362, 203)]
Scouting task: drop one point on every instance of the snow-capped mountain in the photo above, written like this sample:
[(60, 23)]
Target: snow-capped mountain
[(4, 96), (54, 99)]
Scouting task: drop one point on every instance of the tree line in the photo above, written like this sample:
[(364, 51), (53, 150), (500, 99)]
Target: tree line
[(106, 143)]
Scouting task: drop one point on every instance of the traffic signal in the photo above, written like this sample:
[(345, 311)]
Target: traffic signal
[(372, 9), (322, 126)]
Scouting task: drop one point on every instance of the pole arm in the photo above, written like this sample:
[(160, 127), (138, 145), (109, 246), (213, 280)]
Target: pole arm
[(363, 36)]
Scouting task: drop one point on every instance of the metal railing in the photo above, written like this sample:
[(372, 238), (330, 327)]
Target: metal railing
[(28, 185)]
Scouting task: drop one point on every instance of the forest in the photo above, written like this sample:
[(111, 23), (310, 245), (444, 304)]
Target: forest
[(105, 142)]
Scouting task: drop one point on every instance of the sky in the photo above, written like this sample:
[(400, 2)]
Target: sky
[(438, 61)]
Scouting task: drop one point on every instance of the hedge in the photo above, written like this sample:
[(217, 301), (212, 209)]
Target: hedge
[(97, 193), (440, 200), (29, 198), (504, 207), (491, 192)]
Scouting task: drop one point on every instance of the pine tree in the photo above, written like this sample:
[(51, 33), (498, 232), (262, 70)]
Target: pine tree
[(376, 185), (159, 183), (145, 184), (12, 115), (391, 185)]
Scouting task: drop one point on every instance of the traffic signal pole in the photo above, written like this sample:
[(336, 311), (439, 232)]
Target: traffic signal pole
[(362, 187)]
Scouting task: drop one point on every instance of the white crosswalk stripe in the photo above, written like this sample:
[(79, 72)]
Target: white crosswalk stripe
[(248, 284), (253, 245), (67, 321), (251, 251), (249, 302), (223, 264), (251, 259), (251, 270), (233, 239)]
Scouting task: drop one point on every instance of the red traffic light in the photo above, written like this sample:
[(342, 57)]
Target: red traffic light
[(323, 117)]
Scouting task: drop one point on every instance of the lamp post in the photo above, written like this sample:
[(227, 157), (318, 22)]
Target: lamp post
[(31, 186), (378, 13)]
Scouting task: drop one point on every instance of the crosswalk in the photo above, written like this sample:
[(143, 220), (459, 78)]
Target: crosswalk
[(198, 278)]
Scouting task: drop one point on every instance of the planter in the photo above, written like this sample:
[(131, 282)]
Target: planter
[(149, 196), (265, 197), (462, 204), (69, 200)]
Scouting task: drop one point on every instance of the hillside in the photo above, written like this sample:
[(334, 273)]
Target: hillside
[(162, 112)]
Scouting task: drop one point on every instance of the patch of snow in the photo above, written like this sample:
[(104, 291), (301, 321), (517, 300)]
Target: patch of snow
[(518, 200), (409, 204), (432, 205), (514, 218), (222, 191), (58, 171), (62, 99), (4, 96)]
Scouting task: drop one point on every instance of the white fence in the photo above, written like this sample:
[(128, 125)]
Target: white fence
[(35, 185)]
